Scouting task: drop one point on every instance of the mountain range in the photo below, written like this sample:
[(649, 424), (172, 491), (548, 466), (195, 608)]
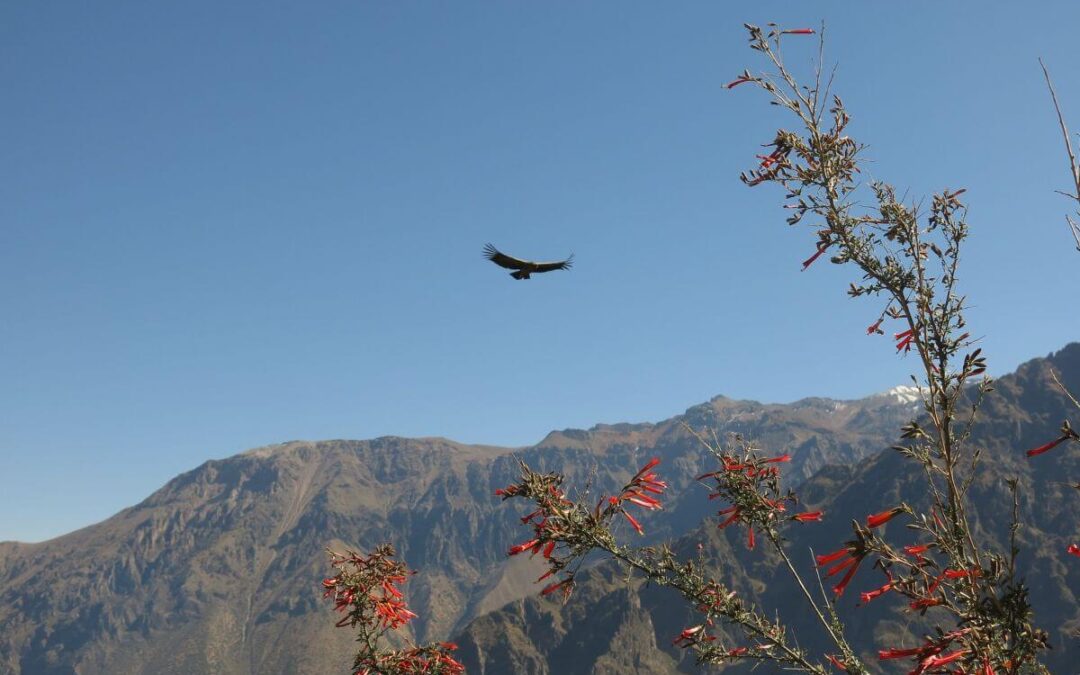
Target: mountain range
[(611, 625), (218, 571)]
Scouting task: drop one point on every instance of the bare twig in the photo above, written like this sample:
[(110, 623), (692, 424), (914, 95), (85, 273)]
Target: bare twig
[(1063, 389), (1074, 166)]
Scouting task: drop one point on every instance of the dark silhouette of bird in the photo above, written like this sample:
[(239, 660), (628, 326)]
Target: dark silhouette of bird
[(523, 268)]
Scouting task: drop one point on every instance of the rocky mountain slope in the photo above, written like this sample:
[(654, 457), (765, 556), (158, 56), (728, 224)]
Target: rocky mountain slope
[(219, 570), (614, 626)]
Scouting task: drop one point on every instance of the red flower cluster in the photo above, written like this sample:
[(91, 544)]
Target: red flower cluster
[(904, 340), (715, 600), (557, 520), (750, 486), (644, 481), (433, 660), (931, 657), (366, 590), (848, 558), (545, 530), (696, 635)]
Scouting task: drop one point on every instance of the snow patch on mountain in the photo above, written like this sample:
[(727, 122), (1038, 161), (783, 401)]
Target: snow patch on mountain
[(902, 394)]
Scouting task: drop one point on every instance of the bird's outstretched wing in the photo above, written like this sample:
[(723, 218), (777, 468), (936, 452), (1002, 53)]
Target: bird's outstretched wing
[(502, 260), (560, 265)]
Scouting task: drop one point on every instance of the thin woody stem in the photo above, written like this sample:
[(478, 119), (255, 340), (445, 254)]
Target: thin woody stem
[(1074, 166), (850, 660), (791, 656), (1063, 389)]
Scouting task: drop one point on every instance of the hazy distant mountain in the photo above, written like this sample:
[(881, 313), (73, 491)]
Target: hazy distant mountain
[(610, 626), (218, 571)]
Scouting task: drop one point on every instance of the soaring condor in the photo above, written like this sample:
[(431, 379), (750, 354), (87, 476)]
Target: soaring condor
[(523, 268)]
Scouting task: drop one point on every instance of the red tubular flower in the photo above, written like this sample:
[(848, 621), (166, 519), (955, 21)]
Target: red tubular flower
[(925, 603), (823, 560), (777, 504), (775, 460), (634, 492), (390, 589), (875, 327), (643, 501), (566, 585), (1049, 446), (854, 556), (836, 662), (750, 538), (643, 470), (808, 516), (731, 519), (810, 261), (841, 566), (937, 519), (839, 588), (525, 519), (798, 31), (877, 592), (879, 519), (770, 159), (1074, 550), (738, 651), (938, 661), (886, 654), (732, 465), (735, 83), (532, 543), (917, 550), (903, 340), (687, 635)]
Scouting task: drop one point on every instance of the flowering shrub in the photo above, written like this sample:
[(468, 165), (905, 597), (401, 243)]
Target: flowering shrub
[(366, 591), (906, 260)]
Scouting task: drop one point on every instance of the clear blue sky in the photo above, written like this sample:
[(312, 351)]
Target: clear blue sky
[(224, 225)]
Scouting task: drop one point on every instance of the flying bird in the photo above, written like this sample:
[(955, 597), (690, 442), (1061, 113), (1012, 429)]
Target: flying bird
[(523, 268)]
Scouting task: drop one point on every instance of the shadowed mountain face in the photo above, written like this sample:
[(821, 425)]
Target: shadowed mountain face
[(539, 636), (219, 571)]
